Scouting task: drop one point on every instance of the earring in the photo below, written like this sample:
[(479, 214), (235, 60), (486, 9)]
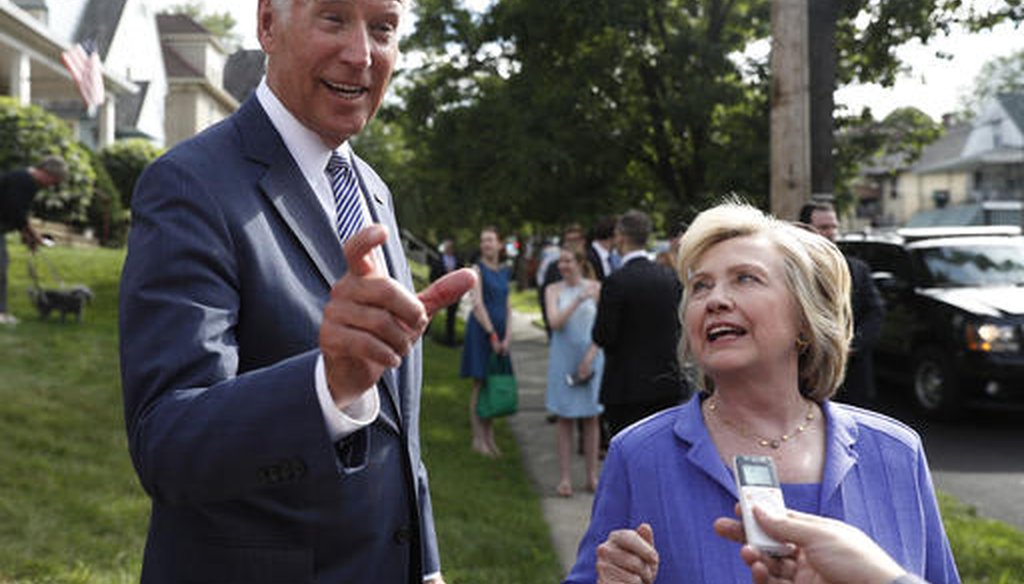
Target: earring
[(802, 343)]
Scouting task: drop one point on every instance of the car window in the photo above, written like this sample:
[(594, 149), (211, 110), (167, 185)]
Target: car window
[(974, 265)]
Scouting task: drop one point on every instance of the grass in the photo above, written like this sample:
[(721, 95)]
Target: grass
[(986, 551), (71, 510)]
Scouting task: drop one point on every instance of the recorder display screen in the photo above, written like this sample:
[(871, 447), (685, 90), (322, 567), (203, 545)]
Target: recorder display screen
[(757, 475)]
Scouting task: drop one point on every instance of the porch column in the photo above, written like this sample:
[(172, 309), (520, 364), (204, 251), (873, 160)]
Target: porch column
[(21, 78), (105, 123)]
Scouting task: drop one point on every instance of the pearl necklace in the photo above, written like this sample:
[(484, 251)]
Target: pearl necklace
[(773, 443)]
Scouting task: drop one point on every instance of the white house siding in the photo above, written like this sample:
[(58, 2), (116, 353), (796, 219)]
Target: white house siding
[(63, 17), (135, 53), (993, 129)]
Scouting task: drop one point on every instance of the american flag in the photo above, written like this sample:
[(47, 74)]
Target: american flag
[(83, 62)]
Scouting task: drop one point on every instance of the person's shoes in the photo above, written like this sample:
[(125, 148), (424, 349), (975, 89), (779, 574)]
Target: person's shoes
[(8, 319)]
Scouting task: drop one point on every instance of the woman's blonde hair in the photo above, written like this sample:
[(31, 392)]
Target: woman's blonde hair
[(816, 274)]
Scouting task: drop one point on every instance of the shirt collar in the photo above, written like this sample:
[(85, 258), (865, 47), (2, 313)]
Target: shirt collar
[(306, 147), (633, 255)]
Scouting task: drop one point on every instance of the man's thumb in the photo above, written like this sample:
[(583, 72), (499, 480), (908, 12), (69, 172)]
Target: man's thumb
[(447, 290)]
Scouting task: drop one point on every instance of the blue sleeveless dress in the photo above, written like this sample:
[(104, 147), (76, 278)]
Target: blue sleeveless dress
[(568, 346), (476, 347)]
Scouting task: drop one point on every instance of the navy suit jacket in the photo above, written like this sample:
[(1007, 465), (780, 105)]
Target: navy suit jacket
[(638, 327), (230, 263)]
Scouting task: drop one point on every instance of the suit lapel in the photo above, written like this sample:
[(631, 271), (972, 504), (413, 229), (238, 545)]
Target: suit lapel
[(286, 189)]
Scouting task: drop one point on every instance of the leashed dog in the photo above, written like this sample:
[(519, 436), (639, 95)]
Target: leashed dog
[(72, 300)]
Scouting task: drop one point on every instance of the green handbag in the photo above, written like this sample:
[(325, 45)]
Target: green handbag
[(499, 395)]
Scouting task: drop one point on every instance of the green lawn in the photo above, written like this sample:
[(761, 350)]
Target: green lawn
[(71, 510)]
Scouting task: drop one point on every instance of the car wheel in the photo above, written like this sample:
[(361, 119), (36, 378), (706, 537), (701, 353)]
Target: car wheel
[(936, 387)]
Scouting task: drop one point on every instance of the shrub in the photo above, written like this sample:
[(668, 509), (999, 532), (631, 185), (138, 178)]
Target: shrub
[(125, 160), (107, 216), (30, 133)]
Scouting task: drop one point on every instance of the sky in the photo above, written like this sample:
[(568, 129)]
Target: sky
[(935, 85)]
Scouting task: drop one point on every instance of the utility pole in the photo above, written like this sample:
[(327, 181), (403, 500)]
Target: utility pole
[(821, 18), (790, 109)]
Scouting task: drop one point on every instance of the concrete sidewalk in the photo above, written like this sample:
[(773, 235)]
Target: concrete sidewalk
[(567, 517)]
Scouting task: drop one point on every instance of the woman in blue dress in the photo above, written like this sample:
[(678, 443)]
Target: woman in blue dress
[(575, 363), (486, 331)]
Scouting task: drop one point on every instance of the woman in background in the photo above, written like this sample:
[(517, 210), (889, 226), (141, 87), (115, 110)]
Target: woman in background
[(575, 363), (487, 332)]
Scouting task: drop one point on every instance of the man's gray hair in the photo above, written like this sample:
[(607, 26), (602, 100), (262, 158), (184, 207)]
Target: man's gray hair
[(54, 166)]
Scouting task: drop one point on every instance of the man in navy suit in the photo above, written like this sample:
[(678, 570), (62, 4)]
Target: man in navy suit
[(272, 372), (638, 327), (868, 311)]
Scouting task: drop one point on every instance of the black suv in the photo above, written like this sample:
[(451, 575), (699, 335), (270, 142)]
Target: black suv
[(954, 322)]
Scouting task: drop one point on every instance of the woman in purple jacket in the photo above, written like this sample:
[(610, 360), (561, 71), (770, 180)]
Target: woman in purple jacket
[(767, 318)]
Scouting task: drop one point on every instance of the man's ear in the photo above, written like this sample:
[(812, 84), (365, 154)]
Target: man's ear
[(265, 18)]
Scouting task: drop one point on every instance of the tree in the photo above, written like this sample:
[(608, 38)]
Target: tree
[(1000, 75), (220, 24), (548, 111), (30, 133), (896, 142)]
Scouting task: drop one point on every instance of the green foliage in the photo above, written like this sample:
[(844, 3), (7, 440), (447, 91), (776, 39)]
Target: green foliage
[(538, 112), (106, 216), (893, 143), (125, 161), (986, 551), (30, 133)]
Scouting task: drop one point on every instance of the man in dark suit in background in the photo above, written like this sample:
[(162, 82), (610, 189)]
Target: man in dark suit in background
[(868, 311), (446, 263), (638, 327), (270, 352), (601, 252)]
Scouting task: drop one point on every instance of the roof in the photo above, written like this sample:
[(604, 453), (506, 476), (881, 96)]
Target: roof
[(989, 213), (129, 106), (940, 152), (179, 24), (175, 65), (243, 71), (948, 216), (99, 22), (30, 4), (1013, 103)]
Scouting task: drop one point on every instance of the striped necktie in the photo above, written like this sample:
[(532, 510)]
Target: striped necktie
[(348, 209)]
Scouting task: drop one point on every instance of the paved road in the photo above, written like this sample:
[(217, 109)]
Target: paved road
[(980, 460)]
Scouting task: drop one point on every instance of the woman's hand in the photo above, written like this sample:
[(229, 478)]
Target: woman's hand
[(628, 557), (497, 345), (584, 370)]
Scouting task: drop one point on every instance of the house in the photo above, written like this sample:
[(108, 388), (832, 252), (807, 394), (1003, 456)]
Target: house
[(164, 73), (31, 70), (194, 66), (973, 174)]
